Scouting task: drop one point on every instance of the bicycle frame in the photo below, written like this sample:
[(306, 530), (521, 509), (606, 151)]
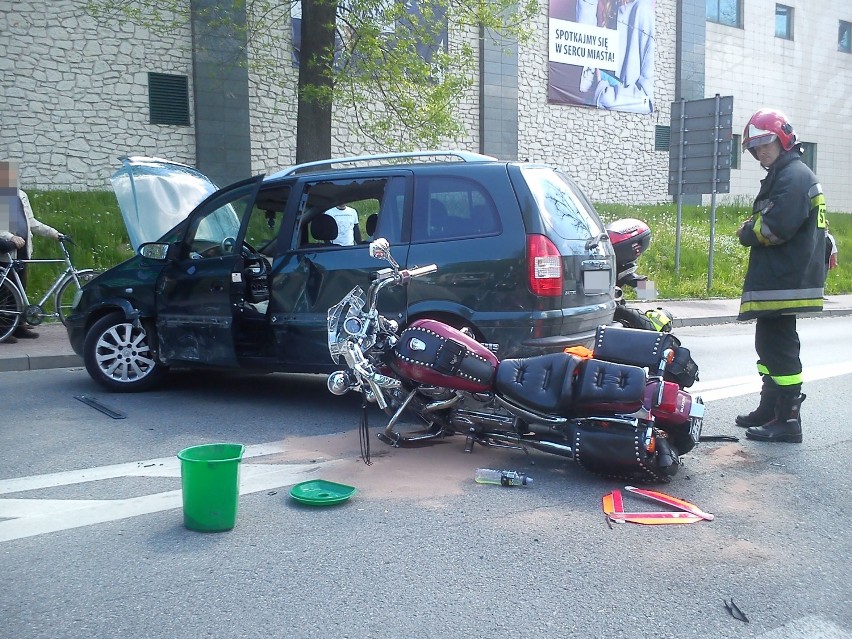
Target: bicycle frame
[(10, 273)]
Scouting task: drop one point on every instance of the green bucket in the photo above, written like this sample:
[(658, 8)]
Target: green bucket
[(210, 480)]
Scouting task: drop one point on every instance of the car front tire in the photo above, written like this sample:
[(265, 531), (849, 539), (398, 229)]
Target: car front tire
[(119, 356)]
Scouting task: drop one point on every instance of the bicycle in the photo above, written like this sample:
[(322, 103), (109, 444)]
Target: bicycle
[(15, 305)]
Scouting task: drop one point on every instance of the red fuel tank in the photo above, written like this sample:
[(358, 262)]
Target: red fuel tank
[(431, 352)]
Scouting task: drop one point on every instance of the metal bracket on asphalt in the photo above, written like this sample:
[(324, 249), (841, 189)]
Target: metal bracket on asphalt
[(106, 410), (734, 610)]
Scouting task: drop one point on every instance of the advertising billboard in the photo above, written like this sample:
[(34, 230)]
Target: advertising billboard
[(601, 54)]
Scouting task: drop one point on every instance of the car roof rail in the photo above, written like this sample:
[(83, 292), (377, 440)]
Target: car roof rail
[(308, 167)]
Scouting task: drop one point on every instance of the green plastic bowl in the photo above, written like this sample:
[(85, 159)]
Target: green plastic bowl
[(319, 492)]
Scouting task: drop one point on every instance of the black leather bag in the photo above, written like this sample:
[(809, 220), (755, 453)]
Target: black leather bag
[(647, 349), (632, 346), (683, 370)]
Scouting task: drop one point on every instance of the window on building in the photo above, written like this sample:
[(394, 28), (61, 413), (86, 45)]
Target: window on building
[(728, 12), (809, 155), (783, 22), (662, 138), (844, 37), (736, 150), (168, 99)]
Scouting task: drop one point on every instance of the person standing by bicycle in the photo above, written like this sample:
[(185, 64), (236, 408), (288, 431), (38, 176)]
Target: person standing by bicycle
[(17, 225)]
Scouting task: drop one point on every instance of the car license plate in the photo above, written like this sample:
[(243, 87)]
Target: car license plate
[(596, 282)]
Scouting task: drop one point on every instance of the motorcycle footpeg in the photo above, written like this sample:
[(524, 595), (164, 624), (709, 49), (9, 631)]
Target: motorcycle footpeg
[(390, 441), (468, 444)]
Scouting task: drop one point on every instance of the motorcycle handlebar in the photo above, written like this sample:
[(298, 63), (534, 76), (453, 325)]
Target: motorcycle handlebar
[(422, 270)]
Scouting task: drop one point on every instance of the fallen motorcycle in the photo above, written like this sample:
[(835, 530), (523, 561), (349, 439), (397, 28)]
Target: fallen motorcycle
[(623, 413)]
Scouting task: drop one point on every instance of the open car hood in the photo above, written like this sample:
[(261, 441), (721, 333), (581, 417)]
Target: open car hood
[(155, 195)]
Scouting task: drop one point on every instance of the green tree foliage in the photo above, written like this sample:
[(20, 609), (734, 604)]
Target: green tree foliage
[(387, 60)]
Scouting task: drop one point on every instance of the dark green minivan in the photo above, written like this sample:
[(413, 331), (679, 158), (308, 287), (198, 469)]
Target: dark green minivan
[(243, 276)]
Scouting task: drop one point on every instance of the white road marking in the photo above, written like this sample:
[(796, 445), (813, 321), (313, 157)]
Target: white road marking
[(163, 467), (737, 386), (809, 627), (30, 517)]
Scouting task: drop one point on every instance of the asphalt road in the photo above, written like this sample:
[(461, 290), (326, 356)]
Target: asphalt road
[(92, 542)]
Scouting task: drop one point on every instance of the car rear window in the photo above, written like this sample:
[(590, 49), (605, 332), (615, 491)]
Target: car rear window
[(564, 208)]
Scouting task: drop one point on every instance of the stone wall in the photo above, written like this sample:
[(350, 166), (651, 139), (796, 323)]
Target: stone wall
[(74, 97)]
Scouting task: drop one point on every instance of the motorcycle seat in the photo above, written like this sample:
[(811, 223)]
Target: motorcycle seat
[(544, 383), (607, 386)]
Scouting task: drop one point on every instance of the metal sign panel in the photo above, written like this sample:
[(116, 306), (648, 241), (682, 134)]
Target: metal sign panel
[(705, 107), (705, 150), (700, 145)]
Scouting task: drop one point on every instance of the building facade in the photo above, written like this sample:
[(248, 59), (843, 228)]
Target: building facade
[(78, 94)]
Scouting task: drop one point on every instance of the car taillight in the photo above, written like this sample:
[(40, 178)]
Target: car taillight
[(545, 266)]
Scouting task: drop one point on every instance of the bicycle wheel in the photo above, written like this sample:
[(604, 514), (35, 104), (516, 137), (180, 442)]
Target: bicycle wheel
[(68, 289), (11, 308)]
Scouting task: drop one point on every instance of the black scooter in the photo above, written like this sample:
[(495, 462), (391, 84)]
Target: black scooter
[(630, 238)]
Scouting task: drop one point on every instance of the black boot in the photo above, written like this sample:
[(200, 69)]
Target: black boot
[(765, 412), (787, 425)]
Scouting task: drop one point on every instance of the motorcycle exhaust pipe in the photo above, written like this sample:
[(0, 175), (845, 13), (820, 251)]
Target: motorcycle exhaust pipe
[(564, 450)]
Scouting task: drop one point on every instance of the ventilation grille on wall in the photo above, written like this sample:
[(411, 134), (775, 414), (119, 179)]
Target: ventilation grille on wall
[(662, 138), (168, 99)]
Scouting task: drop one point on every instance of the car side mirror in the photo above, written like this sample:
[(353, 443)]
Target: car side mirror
[(154, 250)]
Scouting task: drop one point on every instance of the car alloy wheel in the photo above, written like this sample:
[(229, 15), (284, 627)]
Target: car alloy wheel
[(119, 356)]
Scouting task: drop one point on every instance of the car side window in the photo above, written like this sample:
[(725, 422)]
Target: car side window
[(214, 233), (453, 208), (349, 212)]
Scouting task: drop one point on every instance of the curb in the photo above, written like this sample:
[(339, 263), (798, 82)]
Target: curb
[(39, 362), (729, 319)]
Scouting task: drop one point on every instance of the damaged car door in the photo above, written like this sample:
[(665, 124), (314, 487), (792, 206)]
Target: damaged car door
[(329, 255), (196, 290)]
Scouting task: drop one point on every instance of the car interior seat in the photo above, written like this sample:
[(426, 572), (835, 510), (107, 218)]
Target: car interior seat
[(370, 224), (323, 229), (439, 219)]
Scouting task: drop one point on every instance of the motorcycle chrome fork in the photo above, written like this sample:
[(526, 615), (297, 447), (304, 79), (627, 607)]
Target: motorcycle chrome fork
[(395, 438)]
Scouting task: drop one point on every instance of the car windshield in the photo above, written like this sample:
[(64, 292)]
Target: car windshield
[(154, 195), (562, 204), (221, 223)]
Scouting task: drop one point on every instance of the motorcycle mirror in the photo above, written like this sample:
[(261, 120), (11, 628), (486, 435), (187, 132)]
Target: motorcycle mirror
[(380, 249)]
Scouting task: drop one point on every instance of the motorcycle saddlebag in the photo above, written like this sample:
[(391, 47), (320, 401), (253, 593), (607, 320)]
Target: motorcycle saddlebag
[(645, 348), (614, 449), (632, 346), (433, 353)]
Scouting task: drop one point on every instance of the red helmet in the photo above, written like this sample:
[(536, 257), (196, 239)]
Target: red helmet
[(765, 126)]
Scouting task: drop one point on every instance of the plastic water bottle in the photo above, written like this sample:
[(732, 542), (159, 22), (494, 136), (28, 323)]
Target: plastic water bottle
[(501, 477)]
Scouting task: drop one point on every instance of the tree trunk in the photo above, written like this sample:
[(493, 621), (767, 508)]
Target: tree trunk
[(313, 119)]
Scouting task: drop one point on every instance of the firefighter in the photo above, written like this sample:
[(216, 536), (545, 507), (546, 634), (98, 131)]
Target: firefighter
[(786, 272)]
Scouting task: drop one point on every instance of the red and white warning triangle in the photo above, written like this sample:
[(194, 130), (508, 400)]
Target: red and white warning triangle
[(613, 507)]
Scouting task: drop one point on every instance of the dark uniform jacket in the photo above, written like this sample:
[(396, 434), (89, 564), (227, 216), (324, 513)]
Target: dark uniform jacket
[(786, 265)]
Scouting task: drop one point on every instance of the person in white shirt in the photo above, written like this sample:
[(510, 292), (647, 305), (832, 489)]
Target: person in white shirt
[(348, 232)]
